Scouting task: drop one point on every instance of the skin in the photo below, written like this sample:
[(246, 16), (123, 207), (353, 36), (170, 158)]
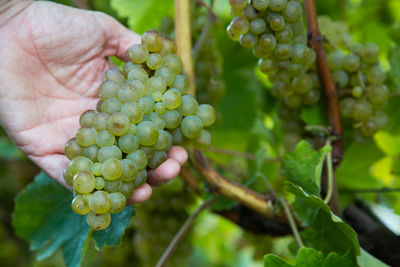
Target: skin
[(52, 61)]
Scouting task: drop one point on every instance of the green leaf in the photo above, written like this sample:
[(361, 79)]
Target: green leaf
[(347, 260), (326, 232), (43, 216), (271, 260), (394, 60), (112, 236), (355, 169), (315, 115), (304, 166), (143, 15), (308, 257), (367, 260)]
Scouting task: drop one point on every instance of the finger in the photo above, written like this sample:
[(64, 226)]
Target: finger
[(118, 37), (163, 173), (178, 153), (141, 194)]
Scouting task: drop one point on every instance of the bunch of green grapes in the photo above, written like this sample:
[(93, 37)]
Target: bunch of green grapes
[(142, 111), (274, 30), (210, 87), (358, 76), (159, 219)]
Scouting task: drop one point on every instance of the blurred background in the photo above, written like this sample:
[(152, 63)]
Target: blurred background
[(246, 123)]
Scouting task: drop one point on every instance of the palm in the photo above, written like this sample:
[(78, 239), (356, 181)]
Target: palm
[(65, 51)]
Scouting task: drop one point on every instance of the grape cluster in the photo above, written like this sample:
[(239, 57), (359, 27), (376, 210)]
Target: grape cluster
[(358, 76), (210, 87), (274, 29), (142, 111), (164, 210)]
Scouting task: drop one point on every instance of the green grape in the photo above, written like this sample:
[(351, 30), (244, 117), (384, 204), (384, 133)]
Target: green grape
[(118, 202), (260, 5), (293, 101), (362, 110), (132, 129), (311, 97), (67, 177), (79, 206), (376, 75), (78, 164), (88, 118), (118, 124), (96, 169), (149, 150), (159, 108), (172, 99), (139, 157), (84, 182), (167, 73), (133, 111), (286, 35), (99, 185), (369, 128), (72, 149), (302, 84), (100, 202), (341, 78), (177, 137), (300, 53), (138, 73), (267, 42), (157, 96), (346, 107), (127, 189), (112, 186), (370, 53), (277, 5), (174, 62), (98, 221), (283, 51), (128, 143), (257, 26), (207, 114), (152, 40), (86, 136), (250, 12), (147, 133), (378, 94), (248, 40), (351, 63), (277, 22), (159, 157), (157, 83), (203, 141), (128, 66), (112, 169), (141, 178), (357, 91), (164, 139), (239, 25), (108, 152), (100, 122), (115, 75), (146, 104), (105, 138), (158, 119), (98, 105), (111, 106), (238, 4), (126, 93), (172, 119), (266, 65), (189, 105), (154, 61), (91, 152), (129, 170), (380, 119), (168, 46), (137, 53), (138, 88), (108, 89), (192, 125), (181, 83), (292, 12)]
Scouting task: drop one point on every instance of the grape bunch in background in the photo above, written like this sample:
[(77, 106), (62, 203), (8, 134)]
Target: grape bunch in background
[(142, 111)]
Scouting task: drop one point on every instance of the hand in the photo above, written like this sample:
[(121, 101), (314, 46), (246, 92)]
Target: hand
[(53, 58)]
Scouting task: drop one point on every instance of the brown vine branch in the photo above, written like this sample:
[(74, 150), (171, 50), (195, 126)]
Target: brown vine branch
[(184, 40), (182, 231), (315, 41)]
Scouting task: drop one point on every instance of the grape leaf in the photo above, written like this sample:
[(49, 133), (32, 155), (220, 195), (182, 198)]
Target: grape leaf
[(143, 15), (43, 216), (308, 257), (326, 232), (272, 260), (304, 166), (366, 260), (315, 115), (394, 60)]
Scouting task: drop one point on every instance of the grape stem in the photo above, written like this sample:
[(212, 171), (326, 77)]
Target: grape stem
[(182, 231), (315, 41), (205, 30), (329, 166), (184, 40)]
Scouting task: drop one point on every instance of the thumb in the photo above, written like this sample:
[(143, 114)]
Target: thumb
[(118, 37)]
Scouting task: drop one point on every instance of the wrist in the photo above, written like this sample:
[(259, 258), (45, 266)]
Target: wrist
[(11, 8)]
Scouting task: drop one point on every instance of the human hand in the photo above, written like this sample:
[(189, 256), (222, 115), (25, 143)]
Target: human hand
[(53, 58)]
